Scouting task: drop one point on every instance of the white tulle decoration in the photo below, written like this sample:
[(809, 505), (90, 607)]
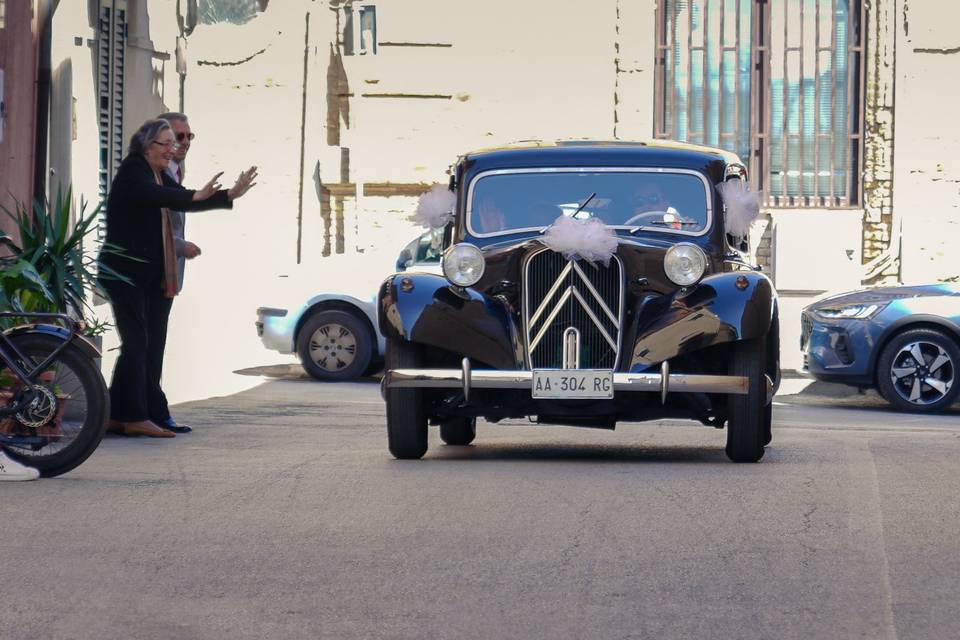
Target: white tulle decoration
[(435, 208), (742, 206), (588, 239)]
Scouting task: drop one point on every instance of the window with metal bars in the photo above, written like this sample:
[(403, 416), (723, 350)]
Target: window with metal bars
[(779, 83), (360, 32), (3, 13)]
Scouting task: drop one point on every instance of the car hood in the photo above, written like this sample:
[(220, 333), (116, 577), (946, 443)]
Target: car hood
[(886, 294)]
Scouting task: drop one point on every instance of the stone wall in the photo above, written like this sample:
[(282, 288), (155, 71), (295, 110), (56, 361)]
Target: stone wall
[(878, 149)]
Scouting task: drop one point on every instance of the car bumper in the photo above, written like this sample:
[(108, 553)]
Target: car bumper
[(275, 328), (663, 382), (837, 351)]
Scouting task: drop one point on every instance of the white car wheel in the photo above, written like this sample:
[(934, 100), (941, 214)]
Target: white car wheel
[(335, 345)]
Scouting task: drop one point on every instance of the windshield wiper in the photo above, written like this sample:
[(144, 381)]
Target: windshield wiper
[(662, 223), (574, 214), (585, 203)]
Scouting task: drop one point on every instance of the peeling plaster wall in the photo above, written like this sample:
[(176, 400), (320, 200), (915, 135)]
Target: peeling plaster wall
[(878, 148), (446, 79), (450, 80), (243, 94), (927, 168)]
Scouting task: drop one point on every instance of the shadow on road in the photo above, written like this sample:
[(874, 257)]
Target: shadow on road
[(526, 452)]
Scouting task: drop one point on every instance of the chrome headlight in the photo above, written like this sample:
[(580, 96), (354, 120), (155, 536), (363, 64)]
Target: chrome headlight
[(858, 311), (463, 264), (685, 263)]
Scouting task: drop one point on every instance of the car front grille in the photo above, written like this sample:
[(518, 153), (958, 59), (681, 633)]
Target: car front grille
[(806, 328), (572, 312)]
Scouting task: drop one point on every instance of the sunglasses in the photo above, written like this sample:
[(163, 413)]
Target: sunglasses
[(182, 137)]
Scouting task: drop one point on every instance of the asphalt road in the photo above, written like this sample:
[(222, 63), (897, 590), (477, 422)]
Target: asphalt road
[(283, 516)]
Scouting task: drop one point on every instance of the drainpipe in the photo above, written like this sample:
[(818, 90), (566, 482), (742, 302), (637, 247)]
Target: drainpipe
[(45, 11)]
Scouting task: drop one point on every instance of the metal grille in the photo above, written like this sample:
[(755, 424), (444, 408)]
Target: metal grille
[(561, 294), (806, 328), (111, 41), (703, 73), (815, 94), (779, 83)]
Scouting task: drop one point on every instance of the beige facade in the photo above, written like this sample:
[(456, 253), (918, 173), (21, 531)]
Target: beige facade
[(346, 139)]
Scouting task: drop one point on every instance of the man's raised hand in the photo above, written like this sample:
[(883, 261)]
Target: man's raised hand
[(243, 184)]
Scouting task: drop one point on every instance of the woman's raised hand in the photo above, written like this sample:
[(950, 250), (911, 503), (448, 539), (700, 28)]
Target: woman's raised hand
[(244, 181), (208, 189)]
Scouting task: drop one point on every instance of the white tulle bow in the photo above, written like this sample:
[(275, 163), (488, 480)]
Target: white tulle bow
[(588, 239), (435, 207), (742, 206)]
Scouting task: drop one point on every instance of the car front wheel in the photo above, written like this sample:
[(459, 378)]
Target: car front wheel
[(406, 418), (335, 345), (747, 414), (917, 371)]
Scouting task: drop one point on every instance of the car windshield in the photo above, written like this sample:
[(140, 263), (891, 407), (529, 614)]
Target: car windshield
[(516, 200)]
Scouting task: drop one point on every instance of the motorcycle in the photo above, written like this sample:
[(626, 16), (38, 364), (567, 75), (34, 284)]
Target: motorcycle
[(54, 402)]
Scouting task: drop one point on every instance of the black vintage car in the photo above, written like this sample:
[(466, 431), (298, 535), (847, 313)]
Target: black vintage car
[(642, 308)]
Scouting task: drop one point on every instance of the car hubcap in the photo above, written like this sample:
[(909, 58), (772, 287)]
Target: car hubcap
[(333, 347), (922, 373)]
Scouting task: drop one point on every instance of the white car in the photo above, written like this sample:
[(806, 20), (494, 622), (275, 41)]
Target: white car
[(331, 323)]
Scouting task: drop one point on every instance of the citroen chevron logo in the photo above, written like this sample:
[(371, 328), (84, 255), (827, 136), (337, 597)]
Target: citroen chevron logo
[(581, 290)]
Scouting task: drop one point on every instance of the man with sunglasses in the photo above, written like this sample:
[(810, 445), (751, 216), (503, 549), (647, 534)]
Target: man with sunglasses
[(652, 206), (185, 249)]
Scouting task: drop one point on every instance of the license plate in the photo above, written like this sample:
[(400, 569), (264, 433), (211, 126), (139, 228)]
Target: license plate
[(572, 383)]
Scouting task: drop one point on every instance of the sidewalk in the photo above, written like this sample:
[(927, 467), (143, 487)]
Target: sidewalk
[(797, 389)]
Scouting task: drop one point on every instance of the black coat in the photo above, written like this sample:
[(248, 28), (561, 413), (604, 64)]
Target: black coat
[(134, 222)]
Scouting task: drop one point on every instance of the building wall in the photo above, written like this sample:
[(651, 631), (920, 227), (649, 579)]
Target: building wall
[(345, 143), (926, 196), (18, 60), (374, 131)]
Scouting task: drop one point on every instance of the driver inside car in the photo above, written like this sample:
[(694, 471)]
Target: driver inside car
[(652, 206)]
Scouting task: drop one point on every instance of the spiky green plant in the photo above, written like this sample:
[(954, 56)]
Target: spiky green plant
[(61, 271), (18, 279)]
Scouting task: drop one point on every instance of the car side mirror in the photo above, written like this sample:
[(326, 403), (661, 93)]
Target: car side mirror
[(404, 260)]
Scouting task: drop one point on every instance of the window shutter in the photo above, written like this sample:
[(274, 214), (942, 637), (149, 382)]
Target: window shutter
[(111, 43)]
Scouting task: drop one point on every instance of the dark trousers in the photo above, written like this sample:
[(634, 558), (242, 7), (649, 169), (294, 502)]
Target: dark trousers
[(141, 314)]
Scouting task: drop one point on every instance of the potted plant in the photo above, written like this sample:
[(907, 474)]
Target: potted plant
[(53, 243), (50, 270)]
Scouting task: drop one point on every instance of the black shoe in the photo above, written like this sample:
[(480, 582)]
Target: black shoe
[(172, 425)]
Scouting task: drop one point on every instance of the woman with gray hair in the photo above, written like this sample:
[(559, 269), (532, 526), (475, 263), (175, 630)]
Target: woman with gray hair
[(138, 223)]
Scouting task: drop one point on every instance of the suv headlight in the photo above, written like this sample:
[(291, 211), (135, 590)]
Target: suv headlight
[(463, 264), (858, 311), (684, 263)]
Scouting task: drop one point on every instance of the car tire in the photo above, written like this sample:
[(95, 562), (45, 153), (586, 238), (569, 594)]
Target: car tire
[(335, 345), (941, 360), (768, 424), (406, 418), (458, 431), (747, 413)]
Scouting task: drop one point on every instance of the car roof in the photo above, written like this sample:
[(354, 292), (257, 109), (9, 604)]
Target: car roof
[(655, 153)]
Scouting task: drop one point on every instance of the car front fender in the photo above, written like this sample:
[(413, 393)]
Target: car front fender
[(725, 307), (427, 309)]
